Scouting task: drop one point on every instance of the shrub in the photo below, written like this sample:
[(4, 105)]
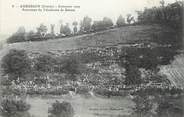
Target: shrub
[(14, 108), (170, 107), (102, 91), (142, 104), (47, 92), (19, 36), (82, 90), (63, 109), (5, 82), (44, 63), (16, 64), (120, 21)]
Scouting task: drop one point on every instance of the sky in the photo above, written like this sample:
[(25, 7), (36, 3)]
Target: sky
[(11, 18)]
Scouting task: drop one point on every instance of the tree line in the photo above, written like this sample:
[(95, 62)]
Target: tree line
[(171, 14), (86, 25)]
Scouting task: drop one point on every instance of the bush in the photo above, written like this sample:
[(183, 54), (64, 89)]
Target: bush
[(170, 107), (63, 109), (14, 108), (47, 92), (103, 92), (120, 21), (19, 36), (106, 92), (16, 64), (102, 24), (143, 105), (70, 65), (5, 82), (44, 63), (82, 90)]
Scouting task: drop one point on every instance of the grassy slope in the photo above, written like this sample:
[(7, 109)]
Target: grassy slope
[(104, 38), (116, 36)]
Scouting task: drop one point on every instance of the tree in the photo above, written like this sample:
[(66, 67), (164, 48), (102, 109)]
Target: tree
[(44, 63), (162, 2), (140, 16), (170, 107), (120, 21), (98, 25), (142, 105), (52, 29), (171, 14), (102, 25), (67, 30), (130, 61), (61, 29), (81, 30), (107, 22), (21, 30), (19, 36), (63, 109), (75, 23), (132, 75), (16, 64), (14, 108), (71, 66), (30, 36), (30, 33), (42, 30), (130, 18), (86, 24)]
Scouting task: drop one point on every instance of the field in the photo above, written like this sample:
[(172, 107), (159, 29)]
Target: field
[(85, 107)]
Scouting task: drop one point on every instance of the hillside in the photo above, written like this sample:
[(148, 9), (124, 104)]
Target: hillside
[(115, 36), (123, 36)]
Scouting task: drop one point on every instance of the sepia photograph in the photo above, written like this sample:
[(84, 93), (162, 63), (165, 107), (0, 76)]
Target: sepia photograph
[(91, 58)]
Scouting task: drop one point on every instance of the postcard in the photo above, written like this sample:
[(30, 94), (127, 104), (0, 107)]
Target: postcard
[(91, 58)]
